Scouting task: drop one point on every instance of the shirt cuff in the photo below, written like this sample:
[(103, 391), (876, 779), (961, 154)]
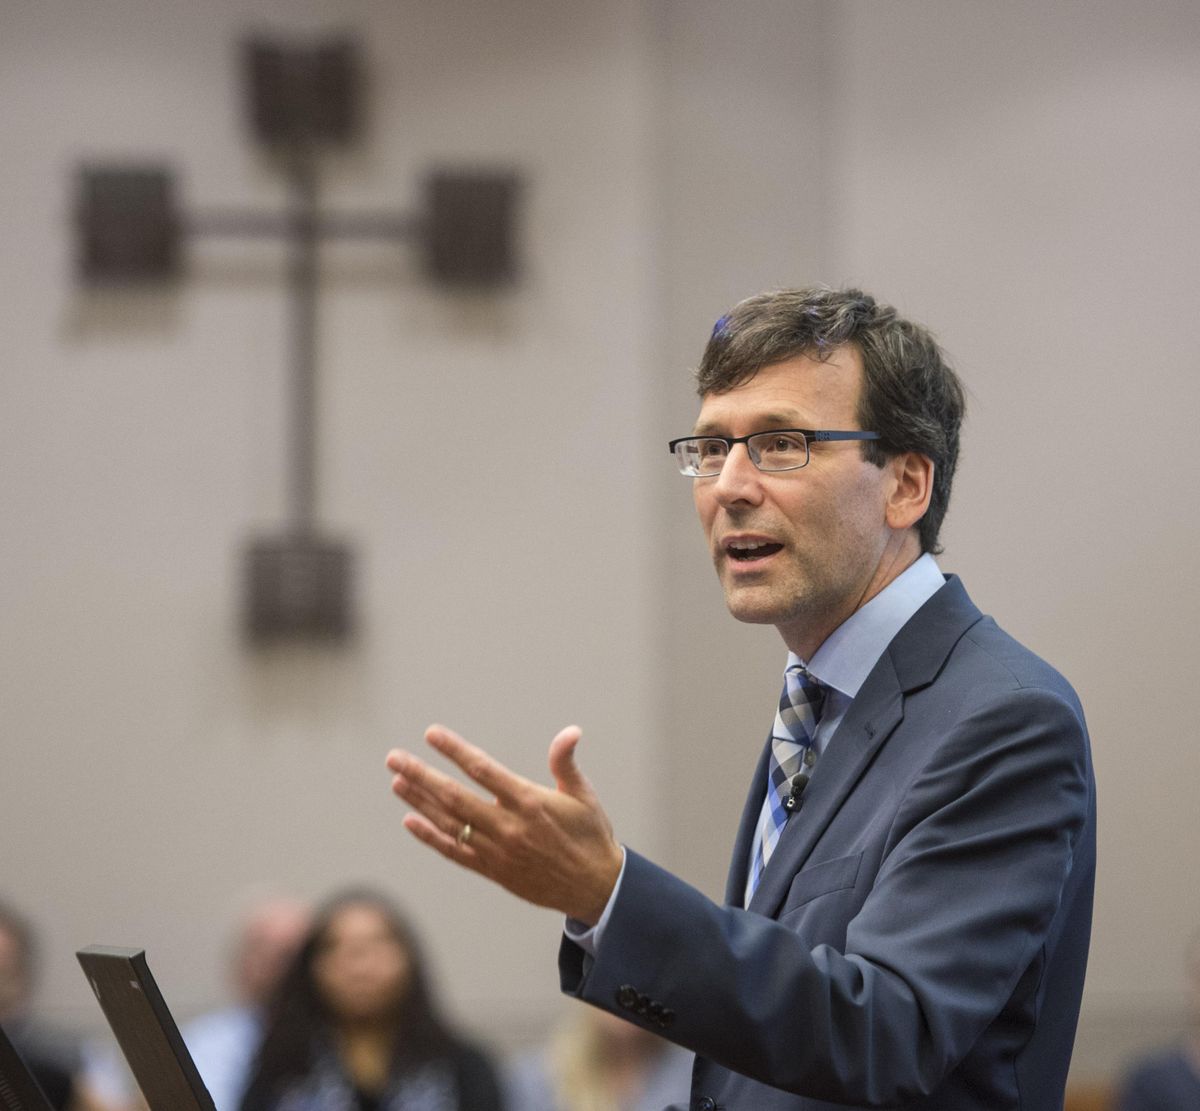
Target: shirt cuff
[(588, 937)]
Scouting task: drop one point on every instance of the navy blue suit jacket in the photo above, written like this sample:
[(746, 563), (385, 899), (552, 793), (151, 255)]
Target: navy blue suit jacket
[(920, 936)]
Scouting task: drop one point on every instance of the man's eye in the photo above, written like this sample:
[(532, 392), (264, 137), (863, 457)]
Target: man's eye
[(712, 448), (784, 445)]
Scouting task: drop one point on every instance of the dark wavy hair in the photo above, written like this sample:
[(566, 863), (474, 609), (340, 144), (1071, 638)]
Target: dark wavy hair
[(910, 394), (299, 1020)]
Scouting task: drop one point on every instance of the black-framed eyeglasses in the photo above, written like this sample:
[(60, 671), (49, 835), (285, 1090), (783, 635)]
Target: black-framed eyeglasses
[(781, 449)]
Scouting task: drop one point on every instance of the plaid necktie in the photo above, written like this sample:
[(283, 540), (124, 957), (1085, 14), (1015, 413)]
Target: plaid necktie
[(792, 755)]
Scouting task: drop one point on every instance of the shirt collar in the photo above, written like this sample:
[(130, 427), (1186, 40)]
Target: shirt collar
[(848, 654)]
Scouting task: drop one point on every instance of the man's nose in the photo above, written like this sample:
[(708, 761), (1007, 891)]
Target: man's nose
[(739, 480)]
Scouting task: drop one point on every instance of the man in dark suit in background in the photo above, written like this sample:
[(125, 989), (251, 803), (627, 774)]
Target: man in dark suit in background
[(1168, 1078), (48, 1054), (909, 904)]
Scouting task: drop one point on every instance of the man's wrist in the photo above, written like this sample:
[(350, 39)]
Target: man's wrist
[(587, 936), (605, 887)]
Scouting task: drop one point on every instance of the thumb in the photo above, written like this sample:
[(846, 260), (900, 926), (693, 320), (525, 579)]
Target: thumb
[(567, 776)]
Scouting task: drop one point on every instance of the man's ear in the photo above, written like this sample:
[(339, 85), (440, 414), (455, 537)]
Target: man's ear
[(913, 487)]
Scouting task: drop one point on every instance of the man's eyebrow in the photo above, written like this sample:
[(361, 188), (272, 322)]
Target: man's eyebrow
[(766, 422)]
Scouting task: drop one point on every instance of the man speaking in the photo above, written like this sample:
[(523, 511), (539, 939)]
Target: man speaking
[(908, 909)]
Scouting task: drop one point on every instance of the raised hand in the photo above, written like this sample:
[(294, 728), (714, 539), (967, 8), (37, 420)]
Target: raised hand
[(551, 846)]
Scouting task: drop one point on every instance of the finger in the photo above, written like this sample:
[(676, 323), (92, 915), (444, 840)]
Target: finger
[(419, 784), (426, 804), (476, 851), (476, 764), (567, 776), (461, 852)]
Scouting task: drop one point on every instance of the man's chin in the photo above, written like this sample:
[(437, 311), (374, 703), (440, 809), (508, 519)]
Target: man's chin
[(754, 611)]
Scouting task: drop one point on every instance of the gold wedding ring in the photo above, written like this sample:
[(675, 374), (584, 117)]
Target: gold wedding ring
[(464, 835)]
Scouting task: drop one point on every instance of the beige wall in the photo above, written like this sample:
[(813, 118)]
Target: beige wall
[(154, 770), (1021, 176)]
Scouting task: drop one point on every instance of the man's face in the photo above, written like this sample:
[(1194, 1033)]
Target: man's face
[(270, 938), (802, 549)]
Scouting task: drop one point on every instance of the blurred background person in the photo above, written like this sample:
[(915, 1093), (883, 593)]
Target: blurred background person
[(598, 1062), (222, 1042), (354, 1026), (1169, 1080), (51, 1055)]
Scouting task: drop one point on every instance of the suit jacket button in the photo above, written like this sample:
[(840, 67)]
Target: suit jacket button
[(706, 1104), (627, 997)]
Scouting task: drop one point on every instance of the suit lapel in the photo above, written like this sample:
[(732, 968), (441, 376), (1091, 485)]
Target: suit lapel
[(911, 661), (739, 867)]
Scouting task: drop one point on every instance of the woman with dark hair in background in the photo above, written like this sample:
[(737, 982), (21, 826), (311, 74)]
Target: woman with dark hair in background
[(354, 1027)]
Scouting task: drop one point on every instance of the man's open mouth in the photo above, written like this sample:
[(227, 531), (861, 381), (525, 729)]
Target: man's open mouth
[(743, 551)]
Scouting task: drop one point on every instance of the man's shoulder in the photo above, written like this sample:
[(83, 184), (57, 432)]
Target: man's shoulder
[(1014, 662), (955, 641)]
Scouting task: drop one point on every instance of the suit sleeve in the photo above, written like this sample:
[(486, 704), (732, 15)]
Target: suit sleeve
[(976, 858)]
